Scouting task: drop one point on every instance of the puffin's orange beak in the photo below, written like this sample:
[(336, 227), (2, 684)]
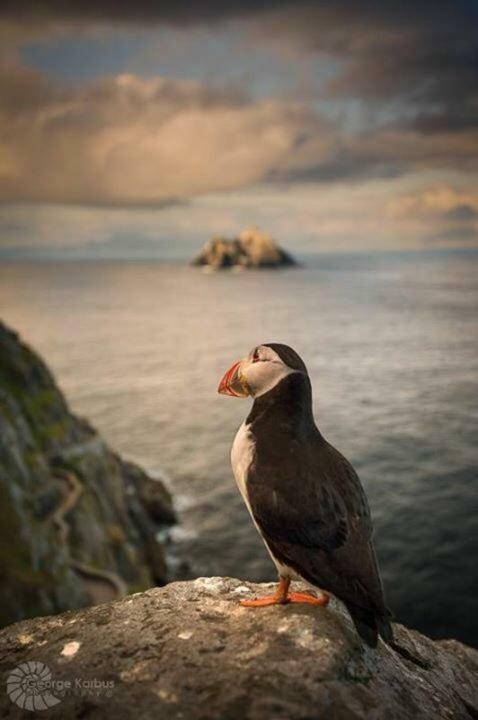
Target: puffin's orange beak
[(233, 383)]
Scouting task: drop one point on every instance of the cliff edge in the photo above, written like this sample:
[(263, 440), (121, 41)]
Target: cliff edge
[(189, 651), (78, 524)]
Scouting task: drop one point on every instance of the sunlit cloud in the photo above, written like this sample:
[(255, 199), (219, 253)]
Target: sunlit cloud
[(439, 200), (324, 123), (125, 140)]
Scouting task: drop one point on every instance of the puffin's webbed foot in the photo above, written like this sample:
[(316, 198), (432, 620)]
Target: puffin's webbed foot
[(323, 599), (264, 601), (282, 596), (279, 598)]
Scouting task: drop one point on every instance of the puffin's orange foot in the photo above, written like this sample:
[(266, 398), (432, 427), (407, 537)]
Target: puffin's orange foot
[(282, 596), (295, 597), (264, 601), (279, 597)]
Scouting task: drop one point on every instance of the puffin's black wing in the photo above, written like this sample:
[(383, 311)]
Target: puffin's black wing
[(317, 519), (314, 516), (314, 504)]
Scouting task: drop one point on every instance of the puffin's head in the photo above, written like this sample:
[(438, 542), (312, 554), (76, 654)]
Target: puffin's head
[(261, 370)]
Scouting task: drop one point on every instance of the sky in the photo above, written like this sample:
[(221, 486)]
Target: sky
[(141, 129)]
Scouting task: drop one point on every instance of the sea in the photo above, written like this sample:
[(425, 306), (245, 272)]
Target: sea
[(391, 344)]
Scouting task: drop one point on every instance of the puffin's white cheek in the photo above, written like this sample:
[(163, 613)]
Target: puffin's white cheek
[(258, 375), (269, 373), (265, 375)]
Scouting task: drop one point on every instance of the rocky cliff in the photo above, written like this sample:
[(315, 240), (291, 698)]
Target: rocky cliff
[(78, 524), (190, 651), (251, 249)]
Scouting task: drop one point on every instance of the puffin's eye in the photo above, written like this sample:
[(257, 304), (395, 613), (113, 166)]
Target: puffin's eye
[(255, 357)]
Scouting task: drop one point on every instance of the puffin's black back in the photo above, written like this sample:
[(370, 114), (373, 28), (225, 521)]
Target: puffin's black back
[(309, 504)]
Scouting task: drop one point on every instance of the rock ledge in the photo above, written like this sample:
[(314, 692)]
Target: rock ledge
[(190, 651)]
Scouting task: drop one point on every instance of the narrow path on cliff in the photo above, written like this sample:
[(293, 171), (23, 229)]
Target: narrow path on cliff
[(101, 585)]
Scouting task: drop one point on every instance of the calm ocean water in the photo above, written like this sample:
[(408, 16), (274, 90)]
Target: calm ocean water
[(391, 345)]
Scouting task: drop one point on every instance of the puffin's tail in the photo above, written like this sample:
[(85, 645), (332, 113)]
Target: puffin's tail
[(369, 625)]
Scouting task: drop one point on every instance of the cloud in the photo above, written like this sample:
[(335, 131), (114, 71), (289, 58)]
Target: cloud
[(419, 60), (437, 201), (422, 54), (445, 214), (397, 99), (181, 12), (303, 217), (125, 140), (463, 213)]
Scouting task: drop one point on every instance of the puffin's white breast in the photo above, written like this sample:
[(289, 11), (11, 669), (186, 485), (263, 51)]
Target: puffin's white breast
[(242, 456)]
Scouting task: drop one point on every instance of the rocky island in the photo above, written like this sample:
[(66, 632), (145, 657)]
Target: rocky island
[(251, 249), (79, 524), (190, 651)]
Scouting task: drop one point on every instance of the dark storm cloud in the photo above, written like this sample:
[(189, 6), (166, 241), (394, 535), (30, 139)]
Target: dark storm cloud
[(424, 54), (124, 140), (371, 11), (181, 12), (413, 65)]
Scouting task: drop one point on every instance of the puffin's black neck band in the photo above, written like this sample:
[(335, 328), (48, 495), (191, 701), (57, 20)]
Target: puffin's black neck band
[(289, 402)]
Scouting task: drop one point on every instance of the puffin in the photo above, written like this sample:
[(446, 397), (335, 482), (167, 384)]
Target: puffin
[(304, 496)]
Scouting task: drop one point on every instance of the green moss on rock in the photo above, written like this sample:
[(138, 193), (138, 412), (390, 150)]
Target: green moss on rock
[(108, 527)]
